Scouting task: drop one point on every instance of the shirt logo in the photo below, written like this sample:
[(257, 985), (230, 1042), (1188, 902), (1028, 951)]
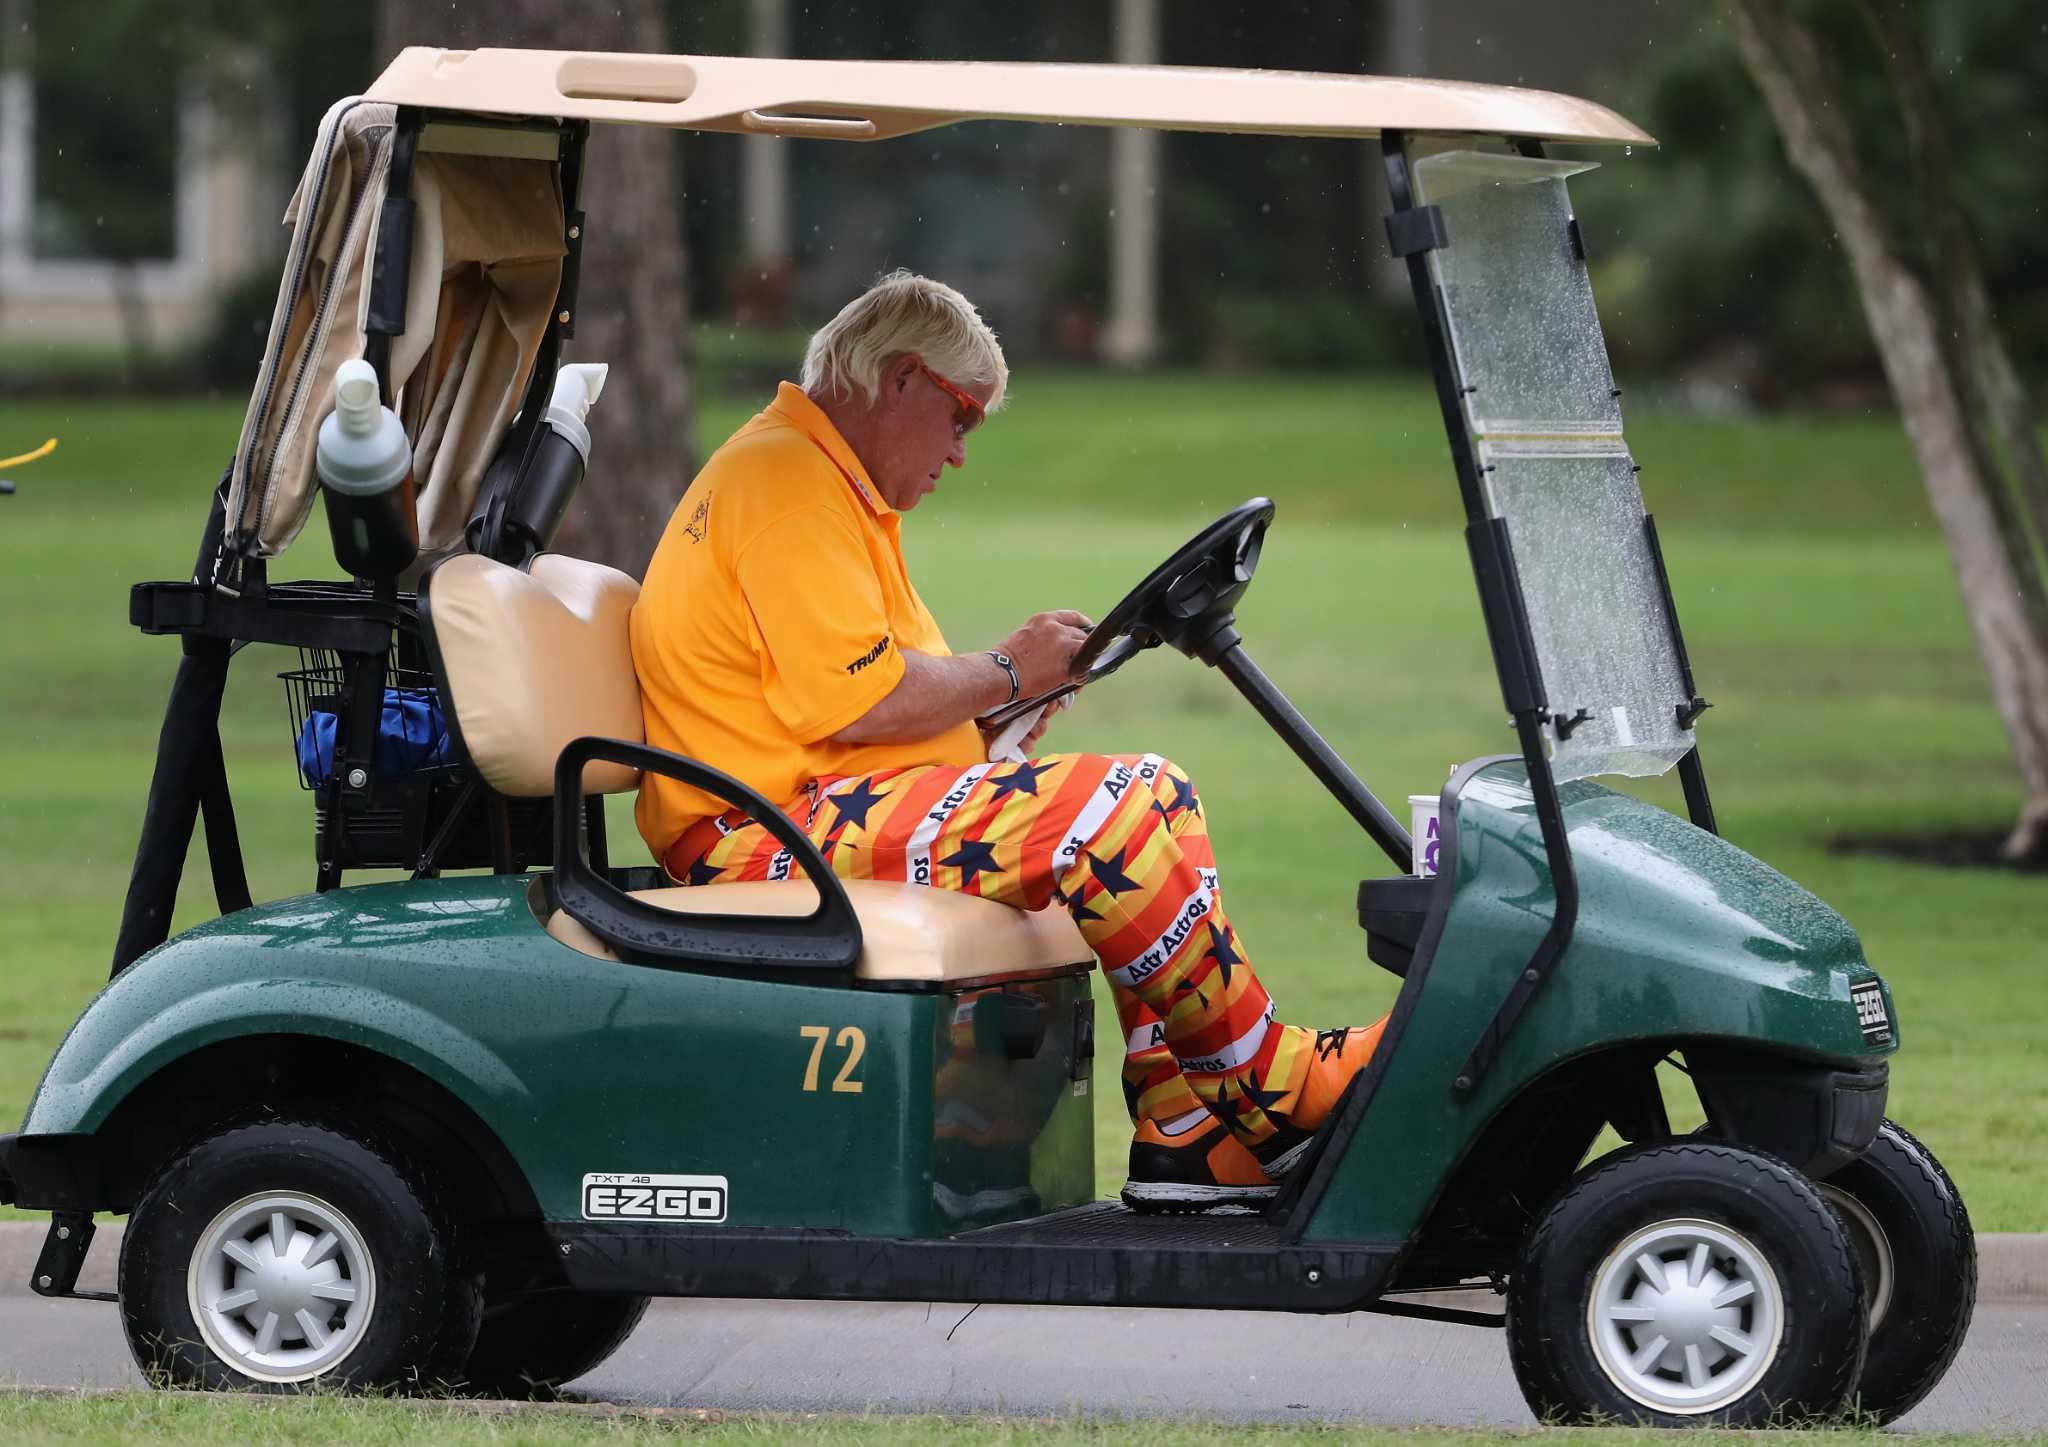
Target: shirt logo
[(700, 521), (870, 656)]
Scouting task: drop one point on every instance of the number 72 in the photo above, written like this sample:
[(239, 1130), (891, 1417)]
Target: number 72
[(852, 1039)]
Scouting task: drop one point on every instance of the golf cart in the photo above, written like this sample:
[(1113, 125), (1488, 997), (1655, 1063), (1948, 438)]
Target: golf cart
[(438, 1131)]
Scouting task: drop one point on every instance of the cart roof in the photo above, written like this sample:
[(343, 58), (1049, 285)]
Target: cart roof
[(874, 99)]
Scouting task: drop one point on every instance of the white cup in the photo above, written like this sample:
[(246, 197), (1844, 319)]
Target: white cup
[(1422, 831)]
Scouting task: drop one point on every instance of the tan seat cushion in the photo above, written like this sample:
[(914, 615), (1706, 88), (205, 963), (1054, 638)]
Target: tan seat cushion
[(910, 933), (533, 661)]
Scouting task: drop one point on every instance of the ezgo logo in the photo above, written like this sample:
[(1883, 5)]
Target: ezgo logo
[(697, 1200), (1868, 997)]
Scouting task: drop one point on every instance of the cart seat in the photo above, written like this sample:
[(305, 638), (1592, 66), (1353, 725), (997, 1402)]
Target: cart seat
[(528, 662), (911, 934)]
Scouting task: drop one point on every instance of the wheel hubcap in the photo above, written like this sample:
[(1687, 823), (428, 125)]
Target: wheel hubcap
[(1685, 1316), (282, 1286), (1873, 1251)]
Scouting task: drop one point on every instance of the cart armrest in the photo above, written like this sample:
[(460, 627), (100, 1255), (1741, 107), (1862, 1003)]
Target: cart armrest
[(817, 946)]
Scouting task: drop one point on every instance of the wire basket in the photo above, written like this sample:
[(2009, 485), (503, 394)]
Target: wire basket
[(420, 809), (315, 694)]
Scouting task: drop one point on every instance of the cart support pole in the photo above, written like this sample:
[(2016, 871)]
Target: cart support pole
[(191, 775)]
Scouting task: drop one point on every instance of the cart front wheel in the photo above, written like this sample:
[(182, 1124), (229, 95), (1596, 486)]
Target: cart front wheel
[(277, 1255), (1680, 1285), (1919, 1256)]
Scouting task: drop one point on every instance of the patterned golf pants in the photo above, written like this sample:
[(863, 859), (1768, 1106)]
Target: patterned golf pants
[(1121, 842)]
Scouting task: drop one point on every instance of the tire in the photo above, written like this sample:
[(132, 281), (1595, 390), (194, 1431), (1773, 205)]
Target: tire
[(530, 1345), (1592, 1295), (1912, 1236), (387, 1305)]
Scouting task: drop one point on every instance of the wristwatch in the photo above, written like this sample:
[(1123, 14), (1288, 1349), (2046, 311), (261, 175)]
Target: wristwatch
[(1016, 684)]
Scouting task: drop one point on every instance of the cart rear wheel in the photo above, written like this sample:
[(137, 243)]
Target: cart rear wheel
[(1687, 1284), (532, 1344), (1907, 1223), (280, 1254)]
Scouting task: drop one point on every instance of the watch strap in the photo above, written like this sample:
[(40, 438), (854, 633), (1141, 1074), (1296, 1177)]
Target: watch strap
[(1003, 662)]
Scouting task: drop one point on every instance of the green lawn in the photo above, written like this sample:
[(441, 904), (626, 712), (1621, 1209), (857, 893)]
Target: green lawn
[(173, 1418), (1819, 606)]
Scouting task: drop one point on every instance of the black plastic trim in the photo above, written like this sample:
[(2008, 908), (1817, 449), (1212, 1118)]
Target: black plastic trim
[(54, 1172), (1815, 1116), (1094, 1255), (1416, 230), (1393, 913), (822, 946)]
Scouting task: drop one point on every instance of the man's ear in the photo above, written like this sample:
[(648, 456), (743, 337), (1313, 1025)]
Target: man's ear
[(896, 376)]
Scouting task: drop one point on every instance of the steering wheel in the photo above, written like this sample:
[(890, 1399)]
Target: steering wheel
[(1200, 583)]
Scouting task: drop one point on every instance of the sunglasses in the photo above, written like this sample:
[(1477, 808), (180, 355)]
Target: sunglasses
[(970, 411)]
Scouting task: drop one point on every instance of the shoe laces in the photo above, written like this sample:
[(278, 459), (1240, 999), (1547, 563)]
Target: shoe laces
[(1331, 1042)]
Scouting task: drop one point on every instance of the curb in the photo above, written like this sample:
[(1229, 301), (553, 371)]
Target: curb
[(2011, 1266)]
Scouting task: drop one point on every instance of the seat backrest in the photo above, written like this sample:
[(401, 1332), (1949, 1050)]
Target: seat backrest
[(529, 661)]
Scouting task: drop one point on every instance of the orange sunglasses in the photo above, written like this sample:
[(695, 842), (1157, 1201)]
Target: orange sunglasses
[(971, 412)]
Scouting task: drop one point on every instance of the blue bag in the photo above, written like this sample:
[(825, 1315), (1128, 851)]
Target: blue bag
[(411, 735)]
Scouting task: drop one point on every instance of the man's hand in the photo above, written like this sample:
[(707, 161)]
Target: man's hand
[(1043, 650), (1029, 743)]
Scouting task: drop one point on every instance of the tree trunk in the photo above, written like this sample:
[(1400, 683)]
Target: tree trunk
[(2001, 394), (1934, 388), (631, 307)]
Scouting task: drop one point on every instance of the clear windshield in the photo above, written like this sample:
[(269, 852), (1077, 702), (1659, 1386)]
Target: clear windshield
[(1540, 400)]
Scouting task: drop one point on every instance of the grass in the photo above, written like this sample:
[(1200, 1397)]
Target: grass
[(134, 1416), (1818, 603)]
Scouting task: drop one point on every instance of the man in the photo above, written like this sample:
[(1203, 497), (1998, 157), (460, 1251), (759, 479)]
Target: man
[(778, 636)]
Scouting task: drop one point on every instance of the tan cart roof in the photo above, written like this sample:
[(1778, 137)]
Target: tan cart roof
[(875, 99)]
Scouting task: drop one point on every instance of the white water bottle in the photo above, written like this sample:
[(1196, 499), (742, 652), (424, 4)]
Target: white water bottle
[(365, 467)]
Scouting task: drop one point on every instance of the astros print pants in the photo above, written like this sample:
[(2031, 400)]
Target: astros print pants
[(1121, 842)]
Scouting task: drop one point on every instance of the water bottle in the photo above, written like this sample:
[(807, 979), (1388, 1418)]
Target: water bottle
[(365, 467), (555, 471)]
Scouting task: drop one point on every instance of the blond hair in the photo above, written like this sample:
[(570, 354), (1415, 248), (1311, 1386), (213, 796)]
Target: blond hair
[(903, 312)]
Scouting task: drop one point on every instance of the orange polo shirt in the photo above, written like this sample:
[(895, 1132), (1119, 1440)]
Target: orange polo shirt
[(774, 614)]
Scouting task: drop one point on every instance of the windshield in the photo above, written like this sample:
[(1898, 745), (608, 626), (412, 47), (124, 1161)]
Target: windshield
[(1545, 416)]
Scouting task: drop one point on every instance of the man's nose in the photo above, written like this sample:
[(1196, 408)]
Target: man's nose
[(958, 456)]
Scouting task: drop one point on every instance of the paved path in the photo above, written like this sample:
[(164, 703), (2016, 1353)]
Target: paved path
[(1044, 1361)]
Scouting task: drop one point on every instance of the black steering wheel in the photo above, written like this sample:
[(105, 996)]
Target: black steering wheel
[(1184, 601)]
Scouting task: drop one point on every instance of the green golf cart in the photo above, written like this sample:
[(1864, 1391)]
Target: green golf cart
[(446, 1131)]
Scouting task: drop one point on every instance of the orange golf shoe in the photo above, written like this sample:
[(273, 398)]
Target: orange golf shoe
[(1334, 1062), (1192, 1164)]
